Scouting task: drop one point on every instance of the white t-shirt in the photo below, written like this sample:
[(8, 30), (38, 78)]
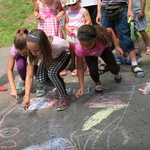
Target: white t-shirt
[(58, 45), (85, 3)]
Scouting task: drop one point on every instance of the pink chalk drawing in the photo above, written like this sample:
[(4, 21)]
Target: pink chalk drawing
[(10, 132), (41, 102), (103, 101), (54, 144)]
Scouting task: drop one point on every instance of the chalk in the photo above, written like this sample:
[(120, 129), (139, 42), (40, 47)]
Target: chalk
[(20, 109), (6, 132), (51, 135)]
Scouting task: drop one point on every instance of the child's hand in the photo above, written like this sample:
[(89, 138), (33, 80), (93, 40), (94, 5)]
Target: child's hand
[(119, 51), (38, 17), (79, 93), (71, 31), (26, 102), (71, 67), (59, 17), (14, 94)]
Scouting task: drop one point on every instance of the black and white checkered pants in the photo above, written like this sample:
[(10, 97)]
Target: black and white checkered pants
[(52, 75)]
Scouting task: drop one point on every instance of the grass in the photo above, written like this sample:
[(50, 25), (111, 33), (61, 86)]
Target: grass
[(15, 14), (19, 13)]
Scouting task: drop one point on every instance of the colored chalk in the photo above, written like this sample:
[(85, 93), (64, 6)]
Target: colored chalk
[(51, 135), (6, 132), (20, 109)]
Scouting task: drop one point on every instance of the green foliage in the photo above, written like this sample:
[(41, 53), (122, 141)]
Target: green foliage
[(13, 15), (19, 13)]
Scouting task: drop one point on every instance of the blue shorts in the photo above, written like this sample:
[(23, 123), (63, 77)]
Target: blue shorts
[(141, 23), (122, 28)]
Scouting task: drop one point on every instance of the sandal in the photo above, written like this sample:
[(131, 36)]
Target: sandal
[(148, 50), (98, 89), (118, 78), (87, 70), (2, 88), (63, 73), (20, 87), (74, 72), (40, 90), (102, 68), (136, 69)]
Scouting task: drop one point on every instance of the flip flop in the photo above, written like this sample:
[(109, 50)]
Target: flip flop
[(102, 68), (2, 88), (98, 89)]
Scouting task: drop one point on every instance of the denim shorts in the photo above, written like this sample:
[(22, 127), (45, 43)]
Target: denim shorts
[(141, 23), (122, 29)]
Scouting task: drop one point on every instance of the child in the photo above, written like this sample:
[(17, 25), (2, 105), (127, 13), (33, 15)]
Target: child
[(49, 13), (18, 53), (76, 16), (51, 55), (94, 43), (2, 88), (140, 17)]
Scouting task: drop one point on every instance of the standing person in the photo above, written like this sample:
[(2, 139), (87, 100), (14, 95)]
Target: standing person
[(34, 2), (2, 88), (51, 56), (118, 21), (93, 43), (91, 6), (18, 54), (140, 18), (49, 13), (76, 16)]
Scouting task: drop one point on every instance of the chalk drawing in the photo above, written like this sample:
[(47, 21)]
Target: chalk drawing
[(12, 131), (121, 118), (54, 144), (109, 105), (41, 102)]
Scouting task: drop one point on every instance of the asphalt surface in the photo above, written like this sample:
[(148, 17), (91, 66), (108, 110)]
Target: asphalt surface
[(117, 119)]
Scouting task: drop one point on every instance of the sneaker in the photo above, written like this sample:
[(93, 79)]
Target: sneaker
[(63, 73), (119, 60), (87, 72), (118, 78), (127, 61), (63, 104), (74, 72)]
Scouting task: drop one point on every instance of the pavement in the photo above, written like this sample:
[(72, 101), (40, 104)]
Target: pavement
[(117, 119)]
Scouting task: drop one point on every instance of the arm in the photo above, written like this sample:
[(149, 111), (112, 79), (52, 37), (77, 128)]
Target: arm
[(36, 10), (143, 5), (114, 38), (98, 18), (80, 70), (66, 23), (28, 85), (130, 12), (72, 53), (61, 11), (10, 76), (34, 1), (87, 17)]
